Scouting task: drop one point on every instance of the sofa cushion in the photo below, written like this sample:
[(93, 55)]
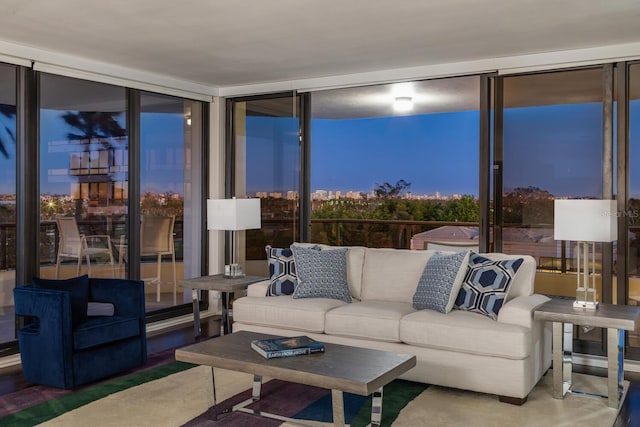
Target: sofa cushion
[(282, 271), (467, 332), (374, 320), (486, 285), (78, 287), (392, 274), (98, 330), (440, 281), (306, 314), (321, 274)]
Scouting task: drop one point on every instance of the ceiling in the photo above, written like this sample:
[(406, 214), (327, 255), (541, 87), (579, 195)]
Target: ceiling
[(233, 43)]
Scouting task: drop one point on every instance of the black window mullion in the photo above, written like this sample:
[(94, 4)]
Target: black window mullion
[(305, 167), (484, 192), (133, 220)]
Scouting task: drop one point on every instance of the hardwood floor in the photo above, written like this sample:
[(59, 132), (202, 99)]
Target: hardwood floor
[(11, 379)]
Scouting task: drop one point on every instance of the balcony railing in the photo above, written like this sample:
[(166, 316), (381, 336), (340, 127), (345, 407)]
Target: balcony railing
[(50, 238), (550, 255)]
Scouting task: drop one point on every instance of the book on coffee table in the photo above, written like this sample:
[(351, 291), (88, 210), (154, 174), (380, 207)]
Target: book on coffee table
[(287, 346)]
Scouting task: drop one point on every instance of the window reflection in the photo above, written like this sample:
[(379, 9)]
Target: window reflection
[(82, 136), (7, 197), (552, 148), (169, 136), (267, 151), (381, 177)]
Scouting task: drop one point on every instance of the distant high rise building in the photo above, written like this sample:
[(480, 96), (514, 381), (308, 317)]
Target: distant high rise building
[(319, 195), (276, 195), (292, 195), (261, 194)]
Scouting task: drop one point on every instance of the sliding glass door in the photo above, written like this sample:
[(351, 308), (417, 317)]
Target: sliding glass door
[(170, 189), (7, 200), (83, 175), (266, 149)]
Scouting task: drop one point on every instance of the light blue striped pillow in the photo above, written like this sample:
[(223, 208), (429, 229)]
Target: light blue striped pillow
[(440, 281)]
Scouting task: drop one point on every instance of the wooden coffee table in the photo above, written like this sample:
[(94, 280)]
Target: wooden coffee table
[(340, 368)]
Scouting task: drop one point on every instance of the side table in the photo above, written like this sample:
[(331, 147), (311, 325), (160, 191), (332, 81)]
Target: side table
[(615, 318), (226, 286)]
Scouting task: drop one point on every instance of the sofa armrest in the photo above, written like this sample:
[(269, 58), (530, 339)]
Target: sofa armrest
[(258, 289), (519, 311)]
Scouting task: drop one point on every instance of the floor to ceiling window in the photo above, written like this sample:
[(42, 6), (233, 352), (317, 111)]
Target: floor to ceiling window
[(266, 133), (632, 216), (84, 185), (7, 200), (82, 179), (396, 165), (83, 176), (170, 136), (552, 148)]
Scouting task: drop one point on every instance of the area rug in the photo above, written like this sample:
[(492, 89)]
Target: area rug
[(180, 394)]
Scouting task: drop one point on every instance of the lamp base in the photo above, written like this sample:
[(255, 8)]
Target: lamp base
[(587, 305), (233, 271)]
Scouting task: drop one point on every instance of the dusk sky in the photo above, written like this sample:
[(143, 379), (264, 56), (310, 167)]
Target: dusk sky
[(557, 148)]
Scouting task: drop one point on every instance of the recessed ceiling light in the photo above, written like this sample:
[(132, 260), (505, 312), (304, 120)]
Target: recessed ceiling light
[(403, 103)]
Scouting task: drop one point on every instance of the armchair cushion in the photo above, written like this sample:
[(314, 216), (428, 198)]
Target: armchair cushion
[(98, 330), (78, 287)]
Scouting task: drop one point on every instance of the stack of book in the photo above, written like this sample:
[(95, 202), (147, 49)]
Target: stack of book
[(286, 347)]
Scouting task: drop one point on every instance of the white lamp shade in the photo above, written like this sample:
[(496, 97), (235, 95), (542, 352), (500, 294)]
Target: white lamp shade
[(585, 220), (233, 214)]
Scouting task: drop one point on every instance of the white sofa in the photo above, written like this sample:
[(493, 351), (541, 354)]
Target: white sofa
[(460, 349)]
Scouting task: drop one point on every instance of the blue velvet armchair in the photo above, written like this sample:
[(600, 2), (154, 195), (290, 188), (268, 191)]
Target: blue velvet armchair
[(62, 346)]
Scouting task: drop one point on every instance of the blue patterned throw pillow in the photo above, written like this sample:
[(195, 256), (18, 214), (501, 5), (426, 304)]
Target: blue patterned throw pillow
[(321, 273), (486, 284), (282, 271), (440, 282)]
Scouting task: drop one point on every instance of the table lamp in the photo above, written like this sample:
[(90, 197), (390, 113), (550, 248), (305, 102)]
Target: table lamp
[(585, 222), (233, 215)]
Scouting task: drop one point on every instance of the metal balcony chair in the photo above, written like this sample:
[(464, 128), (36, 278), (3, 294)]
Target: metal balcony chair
[(78, 246), (156, 237)]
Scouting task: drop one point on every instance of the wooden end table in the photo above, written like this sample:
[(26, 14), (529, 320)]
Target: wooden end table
[(615, 318), (340, 368), (226, 286)]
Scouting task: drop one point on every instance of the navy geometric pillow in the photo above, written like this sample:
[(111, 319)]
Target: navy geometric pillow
[(486, 284), (282, 271)]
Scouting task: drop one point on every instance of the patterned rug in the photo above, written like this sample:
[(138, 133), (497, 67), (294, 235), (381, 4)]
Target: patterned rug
[(179, 394)]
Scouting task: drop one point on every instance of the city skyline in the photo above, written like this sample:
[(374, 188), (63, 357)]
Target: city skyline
[(557, 148)]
